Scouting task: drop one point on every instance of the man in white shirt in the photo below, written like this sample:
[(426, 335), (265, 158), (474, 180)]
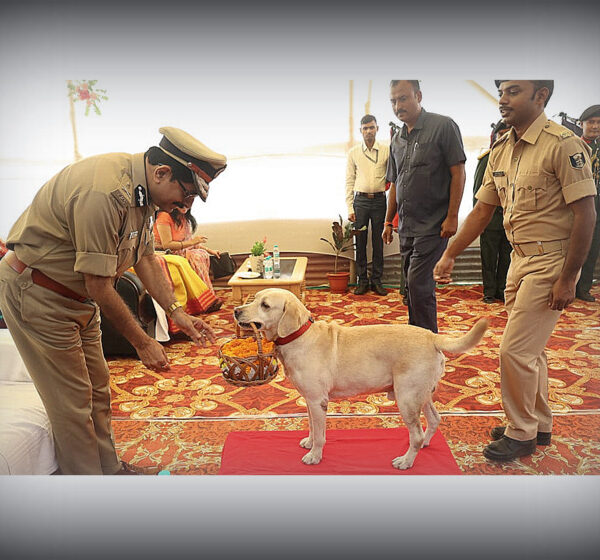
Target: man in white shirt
[(366, 201)]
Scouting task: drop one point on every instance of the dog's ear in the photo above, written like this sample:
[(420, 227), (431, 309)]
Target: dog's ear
[(293, 317)]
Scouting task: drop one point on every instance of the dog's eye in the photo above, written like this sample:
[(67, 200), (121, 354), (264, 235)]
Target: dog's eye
[(265, 305)]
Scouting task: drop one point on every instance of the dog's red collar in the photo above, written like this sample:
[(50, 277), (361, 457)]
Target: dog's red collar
[(295, 335)]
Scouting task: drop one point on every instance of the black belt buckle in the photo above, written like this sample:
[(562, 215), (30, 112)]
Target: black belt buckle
[(369, 195)]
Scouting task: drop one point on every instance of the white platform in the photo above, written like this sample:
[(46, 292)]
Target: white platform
[(26, 444)]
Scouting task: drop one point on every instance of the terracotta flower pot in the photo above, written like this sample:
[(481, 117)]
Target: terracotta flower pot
[(338, 282)]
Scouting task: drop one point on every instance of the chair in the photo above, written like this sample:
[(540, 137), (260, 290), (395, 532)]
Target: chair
[(132, 291)]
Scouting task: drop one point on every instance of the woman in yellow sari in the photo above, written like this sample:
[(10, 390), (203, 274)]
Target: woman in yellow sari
[(190, 291)]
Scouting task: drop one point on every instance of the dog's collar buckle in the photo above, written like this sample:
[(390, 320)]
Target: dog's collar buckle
[(295, 335)]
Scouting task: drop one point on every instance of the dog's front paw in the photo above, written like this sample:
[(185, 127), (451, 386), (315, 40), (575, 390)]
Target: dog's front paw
[(311, 458), (306, 442), (403, 462)]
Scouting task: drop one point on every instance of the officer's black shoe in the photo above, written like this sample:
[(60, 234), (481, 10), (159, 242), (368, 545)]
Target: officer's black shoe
[(543, 438), (379, 289), (489, 299), (585, 296), (361, 289), (507, 449), (499, 297)]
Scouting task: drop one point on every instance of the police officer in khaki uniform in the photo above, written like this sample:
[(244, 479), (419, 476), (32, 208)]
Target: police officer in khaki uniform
[(85, 226), (540, 173)]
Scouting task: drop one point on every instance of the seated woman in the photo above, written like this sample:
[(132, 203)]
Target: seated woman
[(190, 291), (174, 232)]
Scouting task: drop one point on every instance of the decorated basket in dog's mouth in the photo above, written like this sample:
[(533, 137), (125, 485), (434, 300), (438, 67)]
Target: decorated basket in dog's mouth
[(248, 361)]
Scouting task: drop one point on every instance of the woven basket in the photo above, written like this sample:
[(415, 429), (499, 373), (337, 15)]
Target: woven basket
[(251, 370)]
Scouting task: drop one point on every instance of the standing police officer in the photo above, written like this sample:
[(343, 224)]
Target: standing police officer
[(85, 226), (590, 123), (540, 174)]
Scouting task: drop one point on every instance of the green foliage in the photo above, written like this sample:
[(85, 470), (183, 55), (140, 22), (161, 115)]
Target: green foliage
[(342, 237), (258, 248)]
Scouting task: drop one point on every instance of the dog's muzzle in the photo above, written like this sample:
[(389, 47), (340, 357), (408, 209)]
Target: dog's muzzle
[(237, 312)]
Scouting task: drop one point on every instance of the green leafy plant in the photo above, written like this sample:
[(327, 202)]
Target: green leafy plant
[(342, 238), (258, 248)]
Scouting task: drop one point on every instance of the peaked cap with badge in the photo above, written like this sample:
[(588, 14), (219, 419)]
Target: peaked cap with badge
[(204, 163)]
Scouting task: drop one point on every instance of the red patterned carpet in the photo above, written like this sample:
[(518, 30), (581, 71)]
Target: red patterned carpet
[(180, 419), (193, 447), (195, 388)]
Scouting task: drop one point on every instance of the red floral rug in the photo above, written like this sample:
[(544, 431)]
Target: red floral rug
[(194, 447), (347, 452), (195, 388)]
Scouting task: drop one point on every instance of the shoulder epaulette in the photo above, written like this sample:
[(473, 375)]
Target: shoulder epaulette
[(480, 157), (123, 192), (558, 130), (120, 197)]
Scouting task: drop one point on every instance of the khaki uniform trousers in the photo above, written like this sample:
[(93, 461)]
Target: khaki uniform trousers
[(59, 341), (523, 363)]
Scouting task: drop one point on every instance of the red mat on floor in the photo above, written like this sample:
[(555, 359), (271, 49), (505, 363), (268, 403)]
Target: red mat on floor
[(347, 452)]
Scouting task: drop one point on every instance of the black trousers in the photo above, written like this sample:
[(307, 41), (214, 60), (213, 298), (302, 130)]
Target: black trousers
[(369, 210), (495, 260), (587, 270), (419, 256)]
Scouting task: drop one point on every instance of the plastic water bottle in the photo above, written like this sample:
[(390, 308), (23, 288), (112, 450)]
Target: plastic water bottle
[(268, 267), (276, 263)]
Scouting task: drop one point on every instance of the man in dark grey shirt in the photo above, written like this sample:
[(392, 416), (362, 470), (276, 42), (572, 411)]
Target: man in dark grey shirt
[(427, 171)]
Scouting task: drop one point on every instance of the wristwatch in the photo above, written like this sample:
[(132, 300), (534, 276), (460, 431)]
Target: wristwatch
[(174, 306), (389, 224)]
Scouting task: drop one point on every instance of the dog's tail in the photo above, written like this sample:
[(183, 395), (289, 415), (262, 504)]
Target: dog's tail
[(462, 343)]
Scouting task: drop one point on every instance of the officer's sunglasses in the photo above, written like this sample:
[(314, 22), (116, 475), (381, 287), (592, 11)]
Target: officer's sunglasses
[(187, 194)]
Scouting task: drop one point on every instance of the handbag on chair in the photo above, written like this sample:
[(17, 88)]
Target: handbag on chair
[(222, 266)]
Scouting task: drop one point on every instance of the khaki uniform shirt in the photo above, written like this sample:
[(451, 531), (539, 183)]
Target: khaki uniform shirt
[(534, 178), (92, 217), (365, 170)]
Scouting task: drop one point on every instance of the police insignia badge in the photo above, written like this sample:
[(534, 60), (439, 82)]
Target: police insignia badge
[(140, 196), (577, 160)]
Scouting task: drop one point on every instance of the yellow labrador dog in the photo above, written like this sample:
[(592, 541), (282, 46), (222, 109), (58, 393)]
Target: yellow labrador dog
[(328, 361)]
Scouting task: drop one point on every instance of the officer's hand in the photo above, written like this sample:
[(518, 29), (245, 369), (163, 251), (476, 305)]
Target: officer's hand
[(153, 355), (449, 227), (194, 327), (388, 234), (442, 272), (562, 294), (352, 217)]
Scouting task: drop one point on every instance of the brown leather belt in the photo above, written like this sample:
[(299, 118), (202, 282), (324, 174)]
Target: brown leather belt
[(370, 195), (539, 247), (41, 279)]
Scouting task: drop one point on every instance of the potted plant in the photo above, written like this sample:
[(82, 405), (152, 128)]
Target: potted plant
[(342, 239), (257, 256)]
